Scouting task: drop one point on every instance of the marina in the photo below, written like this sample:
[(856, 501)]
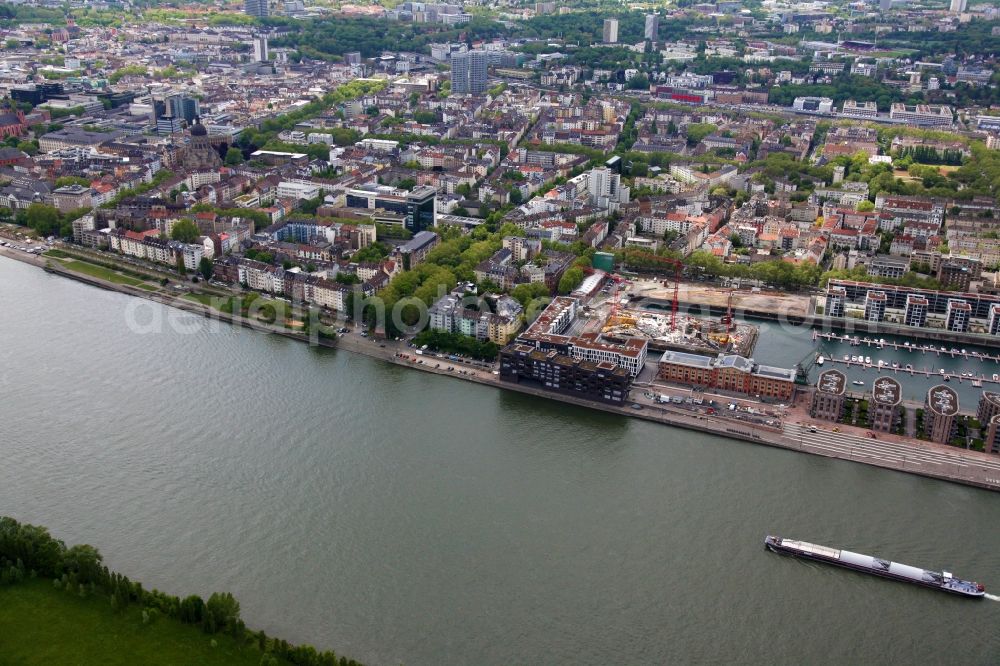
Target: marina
[(882, 343)]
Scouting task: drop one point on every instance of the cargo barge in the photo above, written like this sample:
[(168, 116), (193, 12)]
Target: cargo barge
[(876, 566)]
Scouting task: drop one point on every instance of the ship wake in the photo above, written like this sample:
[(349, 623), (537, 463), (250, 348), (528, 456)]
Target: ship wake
[(992, 597)]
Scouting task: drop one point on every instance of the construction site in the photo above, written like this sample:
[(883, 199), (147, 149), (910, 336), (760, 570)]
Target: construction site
[(662, 325)]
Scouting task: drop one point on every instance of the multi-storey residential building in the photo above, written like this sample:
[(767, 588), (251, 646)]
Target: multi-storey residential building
[(558, 372), (940, 407), (494, 318), (888, 266), (915, 313), (468, 72), (414, 251), (651, 30), (875, 306), (957, 315), (261, 277), (883, 410), (836, 298), (828, 399)]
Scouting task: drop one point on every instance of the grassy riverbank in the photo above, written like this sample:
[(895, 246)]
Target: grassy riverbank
[(42, 625)]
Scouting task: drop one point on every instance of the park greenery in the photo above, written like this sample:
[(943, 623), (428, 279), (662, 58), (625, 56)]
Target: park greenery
[(456, 343), (28, 553)]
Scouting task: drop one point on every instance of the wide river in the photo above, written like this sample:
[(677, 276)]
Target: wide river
[(400, 517)]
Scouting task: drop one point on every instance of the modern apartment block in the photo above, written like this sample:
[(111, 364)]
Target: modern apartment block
[(954, 311), (547, 332), (957, 316), (916, 311), (562, 373), (875, 306), (883, 410), (940, 408), (828, 400)]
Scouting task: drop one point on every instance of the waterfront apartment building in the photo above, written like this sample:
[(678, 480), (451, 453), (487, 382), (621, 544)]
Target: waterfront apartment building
[(883, 410), (940, 408), (938, 115), (836, 298), (468, 72), (828, 399), (261, 277), (993, 323), (957, 316), (916, 311), (875, 306), (603, 381), (547, 332), (991, 441), (989, 407), (488, 318), (854, 294), (727, 372)]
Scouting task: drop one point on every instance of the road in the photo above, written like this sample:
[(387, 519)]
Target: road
[(918, 457)]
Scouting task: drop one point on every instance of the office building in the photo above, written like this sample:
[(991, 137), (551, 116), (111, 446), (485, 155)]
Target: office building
[(855, 109), (885, 5), (828, 400), (883, 411), (421, 208), (940, 408), (652, 29), (256, 8), (958, 6), (728, 372), (610, 31), (922, 114), (813, 104), (468, 72)]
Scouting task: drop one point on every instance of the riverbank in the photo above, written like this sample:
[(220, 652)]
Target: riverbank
[(966, 467)]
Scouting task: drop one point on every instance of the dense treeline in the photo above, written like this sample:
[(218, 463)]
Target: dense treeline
[(457, 343), (329, 39), (586, 28), (843, 88), (29, 551)]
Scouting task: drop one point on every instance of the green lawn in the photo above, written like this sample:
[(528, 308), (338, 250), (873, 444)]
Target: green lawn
[(147, 287), (101, 272), (56, 254), (42, 625), (204, 299)]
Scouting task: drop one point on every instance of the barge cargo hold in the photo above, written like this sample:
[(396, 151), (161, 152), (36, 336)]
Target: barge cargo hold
[(876, 566)]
